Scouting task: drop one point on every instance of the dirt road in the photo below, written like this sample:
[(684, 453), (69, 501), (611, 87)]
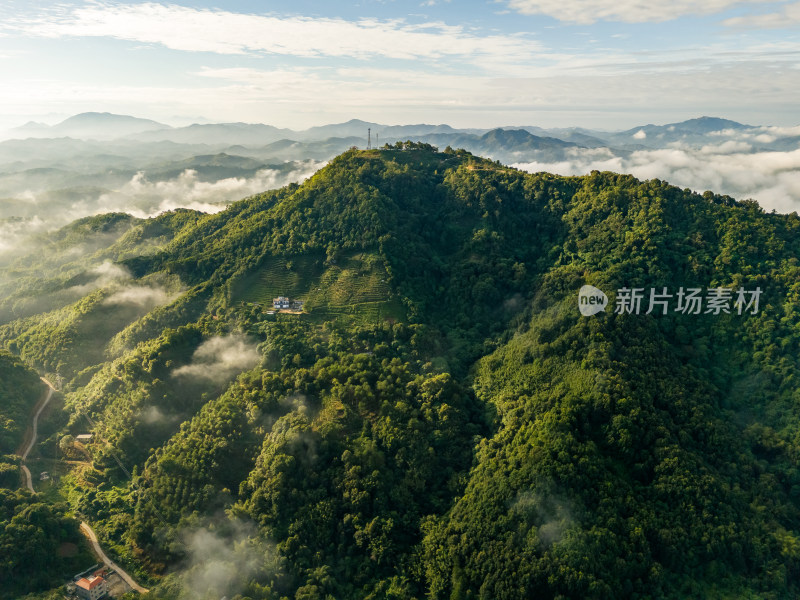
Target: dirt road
[(90, 534), (34, 434), (85, 528)]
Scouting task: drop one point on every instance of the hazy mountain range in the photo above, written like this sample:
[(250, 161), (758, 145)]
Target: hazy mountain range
[(100, 162), (257, 136)]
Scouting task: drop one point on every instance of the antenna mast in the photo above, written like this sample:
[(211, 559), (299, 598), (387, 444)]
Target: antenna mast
[(369, 138)]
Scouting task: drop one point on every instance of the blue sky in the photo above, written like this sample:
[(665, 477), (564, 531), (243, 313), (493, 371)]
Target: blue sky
[(606, 64)]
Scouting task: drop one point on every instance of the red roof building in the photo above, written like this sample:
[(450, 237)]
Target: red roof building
[(92, 588)]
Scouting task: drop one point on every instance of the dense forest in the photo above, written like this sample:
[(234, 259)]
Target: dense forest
[(438, 420), (40, 544), (20, 389)]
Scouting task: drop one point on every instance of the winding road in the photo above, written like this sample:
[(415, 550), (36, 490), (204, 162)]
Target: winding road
[(85, 528), (34, 434), (89, 533)]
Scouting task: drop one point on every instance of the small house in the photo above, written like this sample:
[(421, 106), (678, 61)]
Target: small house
[(83, 438), (280, 302), (91, 588), (297, 304)]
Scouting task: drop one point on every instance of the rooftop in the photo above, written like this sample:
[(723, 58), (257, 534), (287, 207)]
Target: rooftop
[(90, 583)]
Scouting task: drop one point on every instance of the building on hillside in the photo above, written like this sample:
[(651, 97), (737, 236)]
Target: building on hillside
[(83, 438), (280, 302), (91, 588), (297, 304)]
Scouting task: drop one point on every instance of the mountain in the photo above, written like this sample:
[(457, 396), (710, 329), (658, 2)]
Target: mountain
[(582, 137), (29, 129), (399, 131), (92, 125), (692, 131), (88, 126), (286, 149), (213, 167), (352, 128), (216, 137), (708, 125), (519, 140), (439, 419), (507, 145), (217, 134)]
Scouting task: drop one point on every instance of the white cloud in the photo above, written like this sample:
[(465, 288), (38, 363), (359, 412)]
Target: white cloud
[(142, 198), (104, 275), (786, 19), (762, 134), (628, 11), (640, 135), (224, 32), (153, 415), (729, 147), (778, 132), (723, 77), (222, 558), (221, 358), (771, 178), (142, 296), (13, 232)]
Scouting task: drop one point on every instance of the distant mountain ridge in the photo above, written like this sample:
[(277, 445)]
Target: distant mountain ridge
[(94, 125), (105, 151)]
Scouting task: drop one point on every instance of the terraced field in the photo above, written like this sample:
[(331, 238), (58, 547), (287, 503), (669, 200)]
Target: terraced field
[(280, 276), (354, 288)]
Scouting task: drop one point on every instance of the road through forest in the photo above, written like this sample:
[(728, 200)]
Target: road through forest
[(85, 528)]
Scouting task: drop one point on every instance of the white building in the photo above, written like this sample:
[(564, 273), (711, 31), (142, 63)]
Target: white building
[(280, 302), (92, 588)]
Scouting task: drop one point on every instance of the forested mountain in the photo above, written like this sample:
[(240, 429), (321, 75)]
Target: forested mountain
[(39, 543), (439, 420), (20, 388)]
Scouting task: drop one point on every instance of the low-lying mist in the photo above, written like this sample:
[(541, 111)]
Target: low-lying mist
[(220, 359), (733, 167), (27, 212), (143, 198)]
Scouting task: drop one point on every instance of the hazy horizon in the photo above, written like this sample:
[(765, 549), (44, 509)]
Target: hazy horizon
[(176, 122)]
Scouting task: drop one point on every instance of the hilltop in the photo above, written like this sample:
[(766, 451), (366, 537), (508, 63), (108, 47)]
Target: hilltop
[(90, 125), (440, 421)]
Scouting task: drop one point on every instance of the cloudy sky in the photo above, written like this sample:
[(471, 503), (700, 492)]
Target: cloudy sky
[(608, 64)]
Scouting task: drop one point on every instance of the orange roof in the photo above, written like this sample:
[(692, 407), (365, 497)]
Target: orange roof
[(89, 584)]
